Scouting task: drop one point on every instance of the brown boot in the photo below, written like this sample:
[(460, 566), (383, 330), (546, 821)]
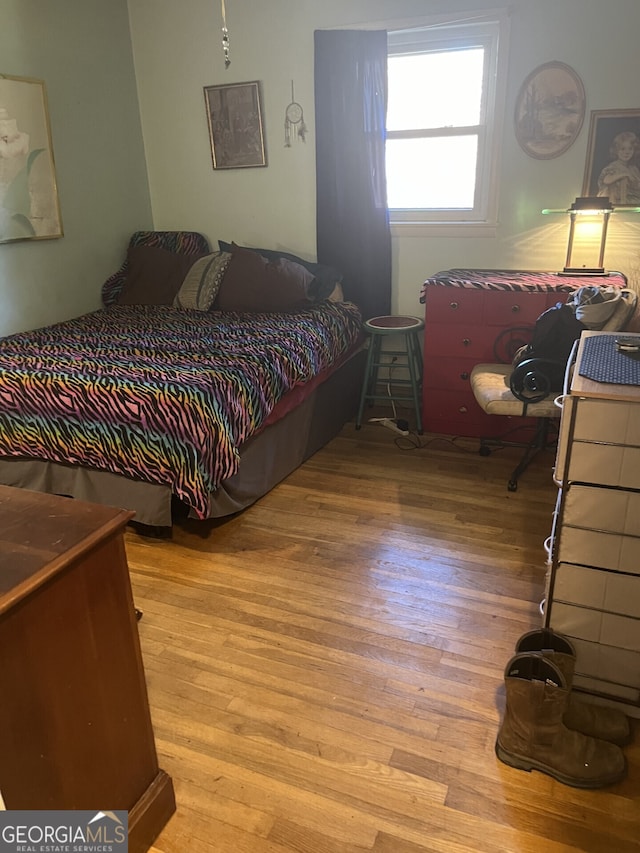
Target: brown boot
[(593, 720), (533, 737)]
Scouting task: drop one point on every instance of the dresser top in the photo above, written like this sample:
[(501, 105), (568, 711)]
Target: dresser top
[(41, 534), (532, 281), (606, 388)]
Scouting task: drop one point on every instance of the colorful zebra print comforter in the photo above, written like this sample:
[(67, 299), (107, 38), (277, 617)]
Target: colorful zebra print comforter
[(159, 394)]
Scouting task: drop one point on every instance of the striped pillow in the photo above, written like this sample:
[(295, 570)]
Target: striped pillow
[(201, 284)]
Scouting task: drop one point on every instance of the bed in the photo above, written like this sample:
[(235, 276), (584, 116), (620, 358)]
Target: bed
[(206, 378)]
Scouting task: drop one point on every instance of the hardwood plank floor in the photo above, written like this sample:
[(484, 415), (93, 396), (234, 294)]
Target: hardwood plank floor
[(325, 669)]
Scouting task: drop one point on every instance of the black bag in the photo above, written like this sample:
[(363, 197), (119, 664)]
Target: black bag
[(555, 332), (546, 357)]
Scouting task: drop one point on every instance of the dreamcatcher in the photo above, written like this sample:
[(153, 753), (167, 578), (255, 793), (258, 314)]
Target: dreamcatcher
[(225, 37), (293, 118)]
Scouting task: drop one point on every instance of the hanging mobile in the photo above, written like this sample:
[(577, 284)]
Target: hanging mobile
[(293, 116), (225, 37)]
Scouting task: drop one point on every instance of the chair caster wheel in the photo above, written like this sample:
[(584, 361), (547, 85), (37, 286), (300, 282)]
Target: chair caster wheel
[(512, 485), (484, 450)]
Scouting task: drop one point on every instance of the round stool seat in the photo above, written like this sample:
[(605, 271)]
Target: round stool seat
[(387, 324)]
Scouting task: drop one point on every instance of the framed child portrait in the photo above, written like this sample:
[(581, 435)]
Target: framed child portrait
[(612, 169)]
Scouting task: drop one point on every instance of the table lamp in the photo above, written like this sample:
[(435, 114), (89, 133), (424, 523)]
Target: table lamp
[(589, 220)]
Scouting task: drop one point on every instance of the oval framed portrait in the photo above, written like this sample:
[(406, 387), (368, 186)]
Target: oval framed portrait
[(549, 111)]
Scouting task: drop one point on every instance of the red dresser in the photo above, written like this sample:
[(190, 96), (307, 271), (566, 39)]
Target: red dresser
[(475, 316)]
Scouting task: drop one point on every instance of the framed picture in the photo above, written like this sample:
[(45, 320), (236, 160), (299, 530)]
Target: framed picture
[(549, 110), (29, 207), (234, 113), (613, 157)]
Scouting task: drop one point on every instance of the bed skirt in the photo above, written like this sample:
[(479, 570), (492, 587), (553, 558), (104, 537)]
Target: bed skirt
[(265, 460)]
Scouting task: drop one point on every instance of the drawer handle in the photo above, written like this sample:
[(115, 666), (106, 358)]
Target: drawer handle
[(466, 342), (464, 375), (453, 305), (463, 410), (515, 309)]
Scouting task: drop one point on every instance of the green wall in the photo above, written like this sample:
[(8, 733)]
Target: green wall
[(177, 48), (101, 111), (82, 50)]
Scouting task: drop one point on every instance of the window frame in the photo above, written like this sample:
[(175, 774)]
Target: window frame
[(490, 32)]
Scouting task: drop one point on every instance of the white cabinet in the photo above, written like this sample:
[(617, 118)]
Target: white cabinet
[(593, 594)]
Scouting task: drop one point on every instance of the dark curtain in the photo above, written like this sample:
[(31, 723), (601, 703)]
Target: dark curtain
[(352, 218)]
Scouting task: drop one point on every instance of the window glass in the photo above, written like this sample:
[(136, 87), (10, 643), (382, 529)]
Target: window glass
[(431, 90), (438, 173)]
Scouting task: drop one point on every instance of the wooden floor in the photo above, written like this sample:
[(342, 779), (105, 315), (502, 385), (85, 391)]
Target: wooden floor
[(325, 670)]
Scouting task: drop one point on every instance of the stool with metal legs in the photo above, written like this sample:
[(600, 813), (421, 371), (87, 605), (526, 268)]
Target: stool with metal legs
[(408, 329)]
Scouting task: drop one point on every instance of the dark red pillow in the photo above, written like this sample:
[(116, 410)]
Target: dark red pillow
[(154, 276), (253, 284)]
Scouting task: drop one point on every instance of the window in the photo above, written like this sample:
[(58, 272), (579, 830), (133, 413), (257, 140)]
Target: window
[(442, 120)]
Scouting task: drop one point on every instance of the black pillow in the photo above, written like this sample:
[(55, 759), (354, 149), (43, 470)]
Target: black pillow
[(325, 277), (251, 283)]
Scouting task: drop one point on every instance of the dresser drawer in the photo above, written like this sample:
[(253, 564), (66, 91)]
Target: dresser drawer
[(453, 305), (597, 589), (473, 342), (610, 510), (607, 663), (448, 373), (490, 307), (606, 421), (456, 412), (599, 549), (514, 308), (454, 404), (597, 626), (604, 464), (593, 426)]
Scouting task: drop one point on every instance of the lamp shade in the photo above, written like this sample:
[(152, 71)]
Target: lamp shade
[(589, 220)]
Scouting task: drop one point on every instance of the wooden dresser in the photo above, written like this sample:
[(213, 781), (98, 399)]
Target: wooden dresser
[(476, 316), (75, 727), (593, 593)]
